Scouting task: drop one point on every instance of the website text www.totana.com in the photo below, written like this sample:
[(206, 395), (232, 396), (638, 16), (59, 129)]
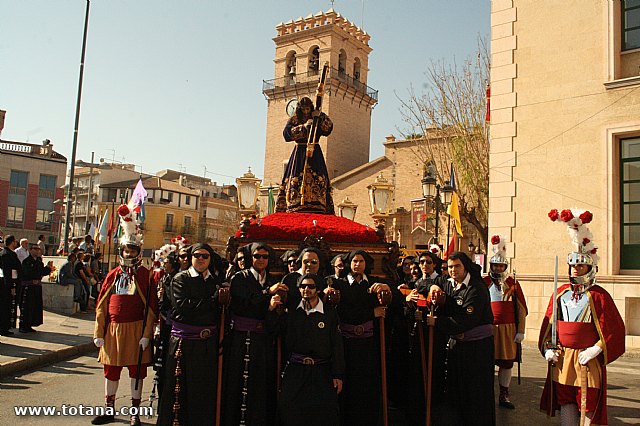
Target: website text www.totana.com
[(79, 410)]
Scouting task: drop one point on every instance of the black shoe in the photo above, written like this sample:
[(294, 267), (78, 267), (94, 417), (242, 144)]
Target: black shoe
[(506, 404), (24, 330), (6, 333), (103, 420)]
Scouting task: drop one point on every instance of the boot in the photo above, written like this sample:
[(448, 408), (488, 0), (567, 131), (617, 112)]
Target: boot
[(107, 417), (503, 400), (134, 420)]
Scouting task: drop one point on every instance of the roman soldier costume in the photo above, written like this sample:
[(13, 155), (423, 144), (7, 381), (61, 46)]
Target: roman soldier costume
[(509, 315), (590, 333), (126, 295)]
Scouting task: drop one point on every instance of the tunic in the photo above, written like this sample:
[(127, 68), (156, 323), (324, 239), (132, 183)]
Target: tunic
[(601, 324), (253, 332), (33, 270), (195, 303), (10, 280), (307, 394), (506, 308), (467, 319), (119, 318), (360, 400), (317, 188)]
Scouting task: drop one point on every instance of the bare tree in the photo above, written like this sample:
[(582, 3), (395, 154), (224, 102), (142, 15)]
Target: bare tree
[(449, 120)]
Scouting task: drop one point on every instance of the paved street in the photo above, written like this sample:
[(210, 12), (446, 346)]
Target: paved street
[(79, 381)]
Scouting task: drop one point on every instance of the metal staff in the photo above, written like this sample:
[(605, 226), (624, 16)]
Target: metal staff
[(384, 298), (224, 297), (430, 362), (583, 393), (144, 325), (554, 337), (516, 311), (280, 310), (313, 132)]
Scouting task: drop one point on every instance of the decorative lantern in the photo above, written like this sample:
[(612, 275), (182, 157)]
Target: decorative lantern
[(347, 209), (248, 187), (380, 196)]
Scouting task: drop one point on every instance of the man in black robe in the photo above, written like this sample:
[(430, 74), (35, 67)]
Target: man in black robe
[(250, 350), (310, 260), (33, 270), (464, 314), (358, 310), (190, 373), (313, 376), (9, 284)]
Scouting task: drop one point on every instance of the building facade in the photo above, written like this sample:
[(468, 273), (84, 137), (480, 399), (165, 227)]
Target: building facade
[(218, 216), (565, 132), (31, 177)]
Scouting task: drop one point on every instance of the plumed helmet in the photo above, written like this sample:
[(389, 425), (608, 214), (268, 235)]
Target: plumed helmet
[(585, 251), (499, 248)]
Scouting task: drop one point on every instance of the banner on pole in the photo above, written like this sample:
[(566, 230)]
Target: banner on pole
[(418, 215)]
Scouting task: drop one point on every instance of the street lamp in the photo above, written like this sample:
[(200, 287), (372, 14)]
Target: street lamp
[(248, 189), (347, 209), (439, 195), (471, 246), (380, 196)]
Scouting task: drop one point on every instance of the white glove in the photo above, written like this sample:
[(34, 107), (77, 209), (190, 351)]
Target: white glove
[(588, 354), (519, 338), (99, 342), (144, 342), (551, 356)]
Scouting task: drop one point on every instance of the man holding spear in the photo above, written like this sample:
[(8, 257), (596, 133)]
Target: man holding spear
[(590, 333)]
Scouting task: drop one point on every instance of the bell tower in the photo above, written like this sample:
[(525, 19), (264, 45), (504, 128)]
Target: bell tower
[(302, 47)]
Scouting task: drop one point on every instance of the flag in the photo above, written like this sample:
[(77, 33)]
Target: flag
[(103, 230), (453, 209), (487, 116), (136, 203), (452, 246), (92, 230), (270, 201)]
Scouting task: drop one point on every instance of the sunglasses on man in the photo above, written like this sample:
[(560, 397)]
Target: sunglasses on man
[(310, 286), (425, 261), (183, 255), (292, 261), (310, 262), (261, 256), (204, 256)]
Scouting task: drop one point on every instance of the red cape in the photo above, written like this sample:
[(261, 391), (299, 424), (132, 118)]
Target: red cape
[(518, 290), (142, 283), (611, 330)]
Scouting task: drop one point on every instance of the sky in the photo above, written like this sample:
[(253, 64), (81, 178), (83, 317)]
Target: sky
[(177, 84)]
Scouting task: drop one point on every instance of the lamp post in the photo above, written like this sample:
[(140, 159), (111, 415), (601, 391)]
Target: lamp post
[(347, 209), (439, 195), (248, 189), (380, 196)]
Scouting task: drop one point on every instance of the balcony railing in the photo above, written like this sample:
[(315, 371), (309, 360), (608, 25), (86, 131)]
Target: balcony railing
[(312, 77)]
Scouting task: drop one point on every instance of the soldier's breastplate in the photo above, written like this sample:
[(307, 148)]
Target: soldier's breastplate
[(575, 310)]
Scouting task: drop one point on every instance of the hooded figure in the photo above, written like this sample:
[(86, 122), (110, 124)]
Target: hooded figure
[(250, 358)]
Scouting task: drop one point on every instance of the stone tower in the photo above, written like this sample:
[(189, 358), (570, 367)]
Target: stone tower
[(302, 47)]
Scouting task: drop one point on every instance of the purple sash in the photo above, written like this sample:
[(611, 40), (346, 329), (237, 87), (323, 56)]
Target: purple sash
[(253, 325), (192, 332), (306, 360), (359, 331), (27, 283), (476, 333)]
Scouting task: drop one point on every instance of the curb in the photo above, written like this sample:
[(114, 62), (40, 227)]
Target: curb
[(47, 358)]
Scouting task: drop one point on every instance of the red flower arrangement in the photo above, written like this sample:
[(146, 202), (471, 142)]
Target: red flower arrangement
[(566, 215), (554, 215), (495, 239), (298, 226), (586, 217)]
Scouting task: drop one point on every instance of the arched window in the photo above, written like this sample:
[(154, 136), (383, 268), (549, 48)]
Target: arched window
[(290, 68), (342, 63), (314, 60), (356, 69)]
